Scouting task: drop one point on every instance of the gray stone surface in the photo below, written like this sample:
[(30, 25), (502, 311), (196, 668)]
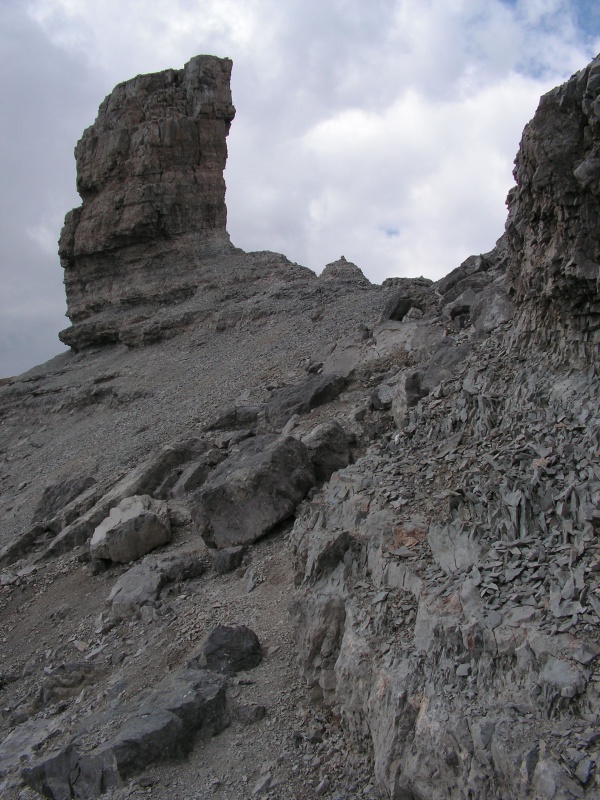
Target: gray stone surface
[(136, 526), (303, 397), (328, 449), (252, 491), (230, 649), (141, 585), (158, 724)]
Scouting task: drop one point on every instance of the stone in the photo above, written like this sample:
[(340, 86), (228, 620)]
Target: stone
[(156, 140), (250, 714), (231, 649), (252, 491), (238, 417), (136, 526), (157, 724), (382, 397), (160, 469), (328, 449), (228, 559), (59, 495), (303, 397), (141, 585), (491, 308)]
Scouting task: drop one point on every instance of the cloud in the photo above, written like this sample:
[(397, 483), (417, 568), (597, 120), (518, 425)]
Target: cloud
[(383, 130)]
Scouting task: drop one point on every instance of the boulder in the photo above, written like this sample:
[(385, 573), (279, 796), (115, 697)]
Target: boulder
[(303, 397), (228, 559), (136, 526), (141, 584), (231, 649), (252, 491), (328, 448), (157, 724)]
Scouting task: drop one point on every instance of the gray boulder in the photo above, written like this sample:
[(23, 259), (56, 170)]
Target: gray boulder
[(328, 448), (157, 724), (141, 584), (136, 526), (228, 559), (252, 491), (231, 649), (303, 397)]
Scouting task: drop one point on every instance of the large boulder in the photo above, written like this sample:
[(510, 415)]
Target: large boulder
[(157, 724), (136, 526), (253, 490)]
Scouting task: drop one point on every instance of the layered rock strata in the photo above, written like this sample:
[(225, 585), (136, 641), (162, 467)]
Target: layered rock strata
[(150, 174)]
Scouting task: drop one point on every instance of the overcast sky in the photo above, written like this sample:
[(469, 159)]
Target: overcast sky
[(384, 130)]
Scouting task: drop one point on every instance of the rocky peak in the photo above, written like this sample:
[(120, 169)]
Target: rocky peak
[(553, 227), (150, 174)]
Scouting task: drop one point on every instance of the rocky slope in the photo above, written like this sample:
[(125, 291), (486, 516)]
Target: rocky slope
[(399, 483)]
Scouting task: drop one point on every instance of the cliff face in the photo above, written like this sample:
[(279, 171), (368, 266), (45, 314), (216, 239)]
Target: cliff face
[(150, 174), (553, 228)]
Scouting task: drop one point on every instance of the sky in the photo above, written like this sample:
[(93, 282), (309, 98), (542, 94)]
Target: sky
[(383, 130)]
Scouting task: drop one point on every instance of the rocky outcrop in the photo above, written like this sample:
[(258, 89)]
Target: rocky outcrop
[(436, 477), (553, 228), (158, 724), (150, 174)]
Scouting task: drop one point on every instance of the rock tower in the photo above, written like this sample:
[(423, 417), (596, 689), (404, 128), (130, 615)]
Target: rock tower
[(150, 174)]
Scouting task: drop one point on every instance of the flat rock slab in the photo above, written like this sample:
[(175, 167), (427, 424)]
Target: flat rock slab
[(252, 491), (158, 724), (231, 649), (136, 526)]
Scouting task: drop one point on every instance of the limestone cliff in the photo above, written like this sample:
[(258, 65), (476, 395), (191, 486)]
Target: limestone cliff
[(150, 174)]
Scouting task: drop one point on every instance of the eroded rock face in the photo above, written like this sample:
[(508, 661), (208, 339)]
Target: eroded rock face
[(553, 228), (150, 174)]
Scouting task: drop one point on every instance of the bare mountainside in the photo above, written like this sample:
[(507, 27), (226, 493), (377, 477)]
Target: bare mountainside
[(268, 534)]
